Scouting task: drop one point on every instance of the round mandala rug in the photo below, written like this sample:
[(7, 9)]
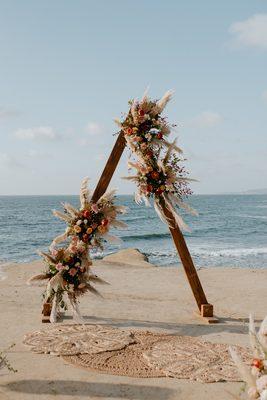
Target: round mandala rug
[(75, 339), (137, 353)]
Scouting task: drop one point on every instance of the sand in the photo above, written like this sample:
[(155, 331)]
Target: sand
[(139, 296)]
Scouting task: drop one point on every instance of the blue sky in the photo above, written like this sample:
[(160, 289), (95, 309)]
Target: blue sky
[(69, 67)]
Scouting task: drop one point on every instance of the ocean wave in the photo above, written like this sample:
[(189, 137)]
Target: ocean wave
[(253, 216), (213, 253), (147, 236), (231, 252)]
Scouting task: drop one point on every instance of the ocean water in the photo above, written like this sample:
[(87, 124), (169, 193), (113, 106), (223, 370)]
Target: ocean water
[(231, 230)]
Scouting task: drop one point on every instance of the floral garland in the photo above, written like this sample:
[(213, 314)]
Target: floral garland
[(68, 268), (160, 173), (255, 377)]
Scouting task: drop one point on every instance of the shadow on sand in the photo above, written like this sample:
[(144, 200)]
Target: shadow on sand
[(231, 325), (89, 389)]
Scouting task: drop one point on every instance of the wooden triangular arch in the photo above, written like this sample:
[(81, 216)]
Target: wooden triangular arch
[(205, 308)]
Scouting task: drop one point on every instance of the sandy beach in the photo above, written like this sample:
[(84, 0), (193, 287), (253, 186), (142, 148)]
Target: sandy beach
[(140, 296)]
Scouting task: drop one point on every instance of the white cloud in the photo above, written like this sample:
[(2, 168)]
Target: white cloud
[(206, 119), (94, 128), (264, 95), (37, 133), (251, 32)]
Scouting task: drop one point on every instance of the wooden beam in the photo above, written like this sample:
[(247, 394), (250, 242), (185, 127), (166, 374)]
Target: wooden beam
[(205, 308), (110, 167)]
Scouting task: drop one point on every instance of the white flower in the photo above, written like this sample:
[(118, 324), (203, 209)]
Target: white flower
[(263, 395), (263, 334), (67, 267), (148, 136), (71, 287), (79, 222), (85, 221), (261, 383)]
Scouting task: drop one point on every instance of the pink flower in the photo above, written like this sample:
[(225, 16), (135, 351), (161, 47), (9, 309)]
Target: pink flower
[(59, 266), (54, 252), (73, 271), (73, 248), (94, 207)]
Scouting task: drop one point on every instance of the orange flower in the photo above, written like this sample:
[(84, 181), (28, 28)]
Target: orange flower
[(154, 175), (77, 228), (102, 229)]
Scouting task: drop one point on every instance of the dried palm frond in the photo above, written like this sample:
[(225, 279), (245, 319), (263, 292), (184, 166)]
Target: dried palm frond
[(243, 369), (184, 179), (121, 209), (61, 215), (96, 279), (161, 104), (107, 196), (59, 239), (133, 111), (134, 165), (47, 257), (118, 122), (146, 201), (131, 178), (119, 224), (70, 209), (38, 279), (262, 335), (144, 98), (54, 309), (84, 192), (137, 198), (160, 212), (254, 342), (174, 147), (75, 308), (177, 201), (178, 219), (112, 239), (54, 284), (169, 151)]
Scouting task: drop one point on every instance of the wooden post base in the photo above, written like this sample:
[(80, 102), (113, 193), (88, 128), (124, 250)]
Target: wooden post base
[(206, 314), (47, 307)]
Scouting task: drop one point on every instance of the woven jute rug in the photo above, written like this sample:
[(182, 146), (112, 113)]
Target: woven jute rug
[(137, 353)]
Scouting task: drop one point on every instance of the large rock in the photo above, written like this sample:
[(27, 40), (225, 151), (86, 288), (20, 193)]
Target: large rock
[(128, 257)]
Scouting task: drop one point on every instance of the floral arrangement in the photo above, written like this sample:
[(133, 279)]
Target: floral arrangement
[(68, 267), (255, 377), (160, 171), (91, 223)]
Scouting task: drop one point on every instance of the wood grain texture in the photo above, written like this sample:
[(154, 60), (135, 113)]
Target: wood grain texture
[(110, 167), (186, 259)]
